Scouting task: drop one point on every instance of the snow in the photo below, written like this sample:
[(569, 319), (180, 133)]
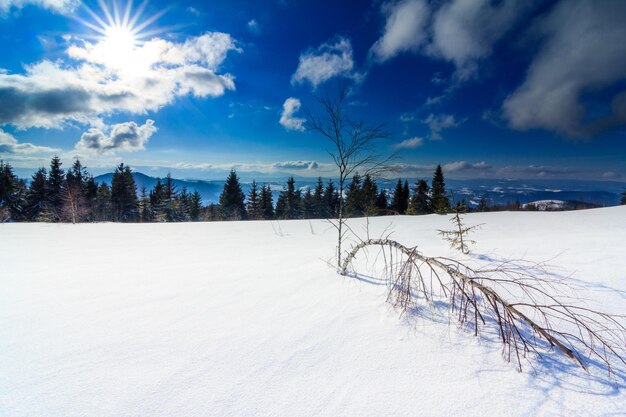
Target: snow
[(247, 318)]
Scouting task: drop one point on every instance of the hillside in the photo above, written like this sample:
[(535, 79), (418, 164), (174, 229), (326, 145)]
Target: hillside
[(247, 318)]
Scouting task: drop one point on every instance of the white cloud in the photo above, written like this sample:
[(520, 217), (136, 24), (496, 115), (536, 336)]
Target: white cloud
[(59, 6), (438, 123), (290, 107), (405, 29), (458, 31), (465, 166), (122, 137), (584, 52), (464, 31), (105, 80), (306, 165), (411, 143), (328, 61), (10, 145)]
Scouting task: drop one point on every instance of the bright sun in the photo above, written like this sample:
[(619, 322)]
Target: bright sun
[(120, 35)]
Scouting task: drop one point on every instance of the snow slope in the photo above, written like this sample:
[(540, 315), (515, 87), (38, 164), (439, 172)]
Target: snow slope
[(247, 318)]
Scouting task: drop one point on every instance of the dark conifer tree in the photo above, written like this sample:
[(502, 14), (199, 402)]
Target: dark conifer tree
[(331, 200), (369, 193), (103, 204), (289, 204), (195, 206), (91, 193), (253, 205), (320, 209), (382, 204), (170, 199), (623, 200), (183, 203), (420, 201), (308, 205), (55, 185), (157, 202), (36, 197), (74, 201), (232, 206), (281, 205), (12, 194), (399, 202), (124, 194), (145, 215), (439, 198), (354, 198), (266, 203)]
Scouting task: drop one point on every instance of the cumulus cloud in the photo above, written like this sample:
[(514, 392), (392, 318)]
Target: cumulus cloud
[(290, 107), (405, 29), (584, 52), (10, 145), (122, 137), (438, 123), (307, 165), (140, 79), (330, 60), (411, 143), (465, 166), (458, 31), (59, 6)]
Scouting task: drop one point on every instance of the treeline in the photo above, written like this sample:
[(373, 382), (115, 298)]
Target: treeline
[(56, 195)]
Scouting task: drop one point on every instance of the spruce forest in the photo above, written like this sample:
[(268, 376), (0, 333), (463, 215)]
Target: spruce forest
[(73, 195)]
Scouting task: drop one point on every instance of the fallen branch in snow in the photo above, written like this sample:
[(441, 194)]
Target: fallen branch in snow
[(520, 299)]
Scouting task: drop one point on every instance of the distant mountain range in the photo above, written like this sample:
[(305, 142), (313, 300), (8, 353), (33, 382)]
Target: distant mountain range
[(596, 193)]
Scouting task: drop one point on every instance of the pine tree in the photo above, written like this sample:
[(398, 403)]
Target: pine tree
[(439, 199), (170, 199), (420, 201), (145, 215), (308, 205), (382, 204), (91, 193), (55, 185), (253, 205), (623, 200), (37, 196), (320, 211), (183, 203), (399, 202), (12, 193), (354, 198), (124, 194), (195, 206), (103, 204), (289, 202), (331, 200), (369, 194), (74, 201), (266, 203), (232, 205), (157, 202)]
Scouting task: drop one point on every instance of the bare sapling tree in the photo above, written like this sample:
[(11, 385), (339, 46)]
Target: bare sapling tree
[(525, 305), (352, 147), (457, 238)]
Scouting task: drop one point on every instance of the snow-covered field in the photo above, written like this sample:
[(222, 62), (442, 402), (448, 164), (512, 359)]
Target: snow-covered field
[(247, 318)]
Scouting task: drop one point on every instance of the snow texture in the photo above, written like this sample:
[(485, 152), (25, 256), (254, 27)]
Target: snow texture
[(247, 318)]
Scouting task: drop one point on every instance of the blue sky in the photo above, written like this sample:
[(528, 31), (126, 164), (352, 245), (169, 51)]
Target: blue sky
[(493, 89)]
